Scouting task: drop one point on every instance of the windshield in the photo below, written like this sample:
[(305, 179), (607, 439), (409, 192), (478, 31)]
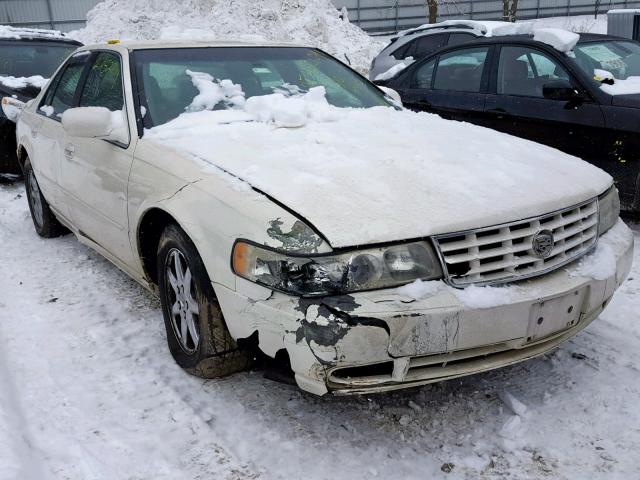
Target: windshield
[(27, 60), (619, 57), (166, 77)]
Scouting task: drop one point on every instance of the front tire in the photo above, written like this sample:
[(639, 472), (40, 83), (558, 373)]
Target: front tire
[(44, 221), (197, 334)]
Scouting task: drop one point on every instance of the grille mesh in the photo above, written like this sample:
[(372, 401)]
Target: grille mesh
[(504, 253)]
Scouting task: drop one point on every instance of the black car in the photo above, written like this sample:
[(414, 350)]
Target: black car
[(532, 90), (25, 53)]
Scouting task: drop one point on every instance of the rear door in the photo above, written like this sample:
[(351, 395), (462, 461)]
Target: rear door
[(47, 135), (95, 171), (452, 85), (518, 106)]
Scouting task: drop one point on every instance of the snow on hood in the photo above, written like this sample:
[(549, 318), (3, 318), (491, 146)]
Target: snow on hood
[(374, 175), (315, 23)]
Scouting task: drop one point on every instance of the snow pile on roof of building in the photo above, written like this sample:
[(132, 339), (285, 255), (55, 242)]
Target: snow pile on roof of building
[(308, 22), (17, 33), (23, 82)]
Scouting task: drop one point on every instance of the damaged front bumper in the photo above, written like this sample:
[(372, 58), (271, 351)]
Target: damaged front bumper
[(385, 340)]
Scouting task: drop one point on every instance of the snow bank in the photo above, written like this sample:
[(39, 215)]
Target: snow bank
[(308, 22), (23, 82)]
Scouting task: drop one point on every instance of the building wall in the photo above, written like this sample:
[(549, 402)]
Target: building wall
[(372, 15)]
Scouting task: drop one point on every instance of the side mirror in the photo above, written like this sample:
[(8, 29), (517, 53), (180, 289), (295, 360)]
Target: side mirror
[(95, 122), (392, 94), (561, 90)]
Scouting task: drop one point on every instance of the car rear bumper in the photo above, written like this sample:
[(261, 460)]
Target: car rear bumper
[(385, 340)]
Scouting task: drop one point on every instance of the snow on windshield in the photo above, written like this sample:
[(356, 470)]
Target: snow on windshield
[(18, 83), (289, 106)]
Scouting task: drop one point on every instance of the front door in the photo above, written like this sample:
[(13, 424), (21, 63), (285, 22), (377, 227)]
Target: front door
[(519, 108), (95, 172)]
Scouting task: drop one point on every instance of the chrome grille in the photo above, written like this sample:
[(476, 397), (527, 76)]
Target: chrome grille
[(504, 253)]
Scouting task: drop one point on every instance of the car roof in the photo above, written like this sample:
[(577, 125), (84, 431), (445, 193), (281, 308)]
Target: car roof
[(19, 34), (528, 38), (164, 44)]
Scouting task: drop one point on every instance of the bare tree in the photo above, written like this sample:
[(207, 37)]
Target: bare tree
[(432, 6), (450, 7), (509, 10)]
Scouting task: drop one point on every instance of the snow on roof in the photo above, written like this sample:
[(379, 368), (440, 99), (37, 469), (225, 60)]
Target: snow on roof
[(314, 23), (7, 31), (559, 38), (478, 27), (623, 10)]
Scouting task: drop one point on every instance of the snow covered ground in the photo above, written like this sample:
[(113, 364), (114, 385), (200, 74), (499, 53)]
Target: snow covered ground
[(88, 390)]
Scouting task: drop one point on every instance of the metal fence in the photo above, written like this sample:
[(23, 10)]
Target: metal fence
[(372, 15), (393, 15), (62, 15)]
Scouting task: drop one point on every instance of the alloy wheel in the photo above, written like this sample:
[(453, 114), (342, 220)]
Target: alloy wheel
[(184, 308), (35, 199)]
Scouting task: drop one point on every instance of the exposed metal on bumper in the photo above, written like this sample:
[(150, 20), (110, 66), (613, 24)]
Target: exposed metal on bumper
[(440, 367), (383, 340)]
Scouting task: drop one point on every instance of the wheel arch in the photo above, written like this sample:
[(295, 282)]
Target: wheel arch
[(22, 155), (150, 227)]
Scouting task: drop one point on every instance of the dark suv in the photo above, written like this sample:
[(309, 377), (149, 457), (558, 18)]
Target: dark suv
[(25, 53), (585, 102)]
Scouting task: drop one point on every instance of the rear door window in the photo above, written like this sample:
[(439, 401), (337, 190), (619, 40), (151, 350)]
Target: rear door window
[(461, 70), (424, 75), (458, 38), (428, 44)]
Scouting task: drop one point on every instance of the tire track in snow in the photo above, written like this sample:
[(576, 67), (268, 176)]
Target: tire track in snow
[(18, 457), (85, 341)]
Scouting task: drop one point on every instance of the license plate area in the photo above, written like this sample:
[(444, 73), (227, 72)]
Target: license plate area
[(555, 315)]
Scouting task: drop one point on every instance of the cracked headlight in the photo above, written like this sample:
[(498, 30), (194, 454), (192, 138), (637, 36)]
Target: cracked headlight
[(335, 273), (609, 206)]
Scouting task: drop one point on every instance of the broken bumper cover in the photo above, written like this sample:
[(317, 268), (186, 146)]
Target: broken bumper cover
[(385, 340)]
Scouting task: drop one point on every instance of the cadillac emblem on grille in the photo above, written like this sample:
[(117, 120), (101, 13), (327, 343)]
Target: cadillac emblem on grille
[(542, 243)]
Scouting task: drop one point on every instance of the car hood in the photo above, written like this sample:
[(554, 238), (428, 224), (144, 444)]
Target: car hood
[(365, 176), (632, 101)]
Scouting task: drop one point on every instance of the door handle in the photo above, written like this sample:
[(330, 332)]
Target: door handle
[(498, 112), (69, 151), (34, 132)]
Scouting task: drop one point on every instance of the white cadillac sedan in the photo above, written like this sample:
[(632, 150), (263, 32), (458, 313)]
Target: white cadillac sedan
[(273, 198)]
